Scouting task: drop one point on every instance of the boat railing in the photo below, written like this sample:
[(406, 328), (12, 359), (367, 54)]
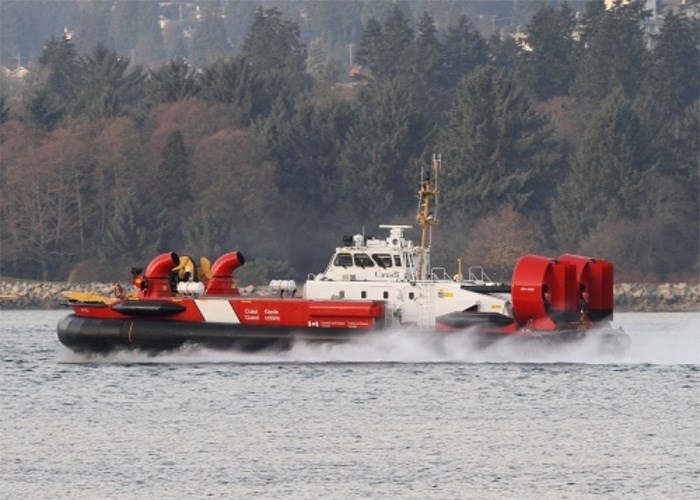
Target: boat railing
[(476, 273), (410, 269), (439, 274)]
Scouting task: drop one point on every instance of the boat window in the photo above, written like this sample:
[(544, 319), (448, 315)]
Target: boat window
[(363, 260), (343, 259), (386, 295), (397, 260), (363, 294), (383, 259)]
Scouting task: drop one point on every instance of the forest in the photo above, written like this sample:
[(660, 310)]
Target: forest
[(584, 139)]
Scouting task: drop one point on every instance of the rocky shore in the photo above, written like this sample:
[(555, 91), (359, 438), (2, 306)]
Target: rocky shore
[(637, 297)]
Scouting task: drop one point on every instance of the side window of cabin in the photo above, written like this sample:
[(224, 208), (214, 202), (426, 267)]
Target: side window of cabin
[(363, 260), (343, 260), (382, 259), (397, 260)]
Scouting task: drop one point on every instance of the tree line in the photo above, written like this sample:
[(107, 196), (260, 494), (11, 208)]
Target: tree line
[(583, 140)]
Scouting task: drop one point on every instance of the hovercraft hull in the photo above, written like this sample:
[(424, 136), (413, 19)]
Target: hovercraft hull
[(95, 335)]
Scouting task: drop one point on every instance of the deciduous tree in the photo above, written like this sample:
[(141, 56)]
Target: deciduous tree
[(498, 240), (44, 212)]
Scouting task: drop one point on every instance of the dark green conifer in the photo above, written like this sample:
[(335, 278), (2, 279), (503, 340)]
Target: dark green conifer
[(464, 50), (549, 67), (615, 53), (605, 177), (499, 149), (104, 86), (173, 81)]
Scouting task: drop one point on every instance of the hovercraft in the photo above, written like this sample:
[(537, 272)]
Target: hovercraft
[(369, 284)]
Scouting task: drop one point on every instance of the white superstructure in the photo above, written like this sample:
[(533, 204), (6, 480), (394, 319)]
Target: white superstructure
[(398, 272), (389, 269)]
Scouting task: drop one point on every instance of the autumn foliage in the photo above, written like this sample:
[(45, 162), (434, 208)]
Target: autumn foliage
[(558, 149)]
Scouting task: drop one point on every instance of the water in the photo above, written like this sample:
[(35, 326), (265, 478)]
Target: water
[(405, 415)]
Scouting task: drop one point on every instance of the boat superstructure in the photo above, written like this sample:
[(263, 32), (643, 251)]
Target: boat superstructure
[(399, 273)]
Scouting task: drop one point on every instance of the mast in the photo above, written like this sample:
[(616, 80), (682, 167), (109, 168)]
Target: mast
[(425, 216)]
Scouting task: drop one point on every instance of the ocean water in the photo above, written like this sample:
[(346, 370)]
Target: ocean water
[(400, 415)]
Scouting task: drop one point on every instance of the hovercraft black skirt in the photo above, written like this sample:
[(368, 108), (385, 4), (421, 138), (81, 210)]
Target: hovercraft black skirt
[(87, 335)]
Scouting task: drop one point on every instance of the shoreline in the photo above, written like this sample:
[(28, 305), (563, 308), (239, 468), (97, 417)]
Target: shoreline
[(629, 297)]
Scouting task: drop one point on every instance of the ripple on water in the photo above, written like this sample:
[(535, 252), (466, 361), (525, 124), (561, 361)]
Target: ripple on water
[(374, 421)]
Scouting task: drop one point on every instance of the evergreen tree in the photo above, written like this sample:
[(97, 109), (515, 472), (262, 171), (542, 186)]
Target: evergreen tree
[(675, 72), (369, 53), (238, 17), (426, 50), (671, 87), (685, 148), (172, 194), (174, 172), (204, 233), (4, 110), (464, 51), (306, 149), (499, 149), (505, 54), (173, 81), (396, 43), (425, 69), (615, 52), (319, 64), (56, 95), (387, 50), (273, 44), (234, 82), (103, 85), (550, 67), (604, 182), (376, 162), (128, 233), (209, 42), (278, 58)]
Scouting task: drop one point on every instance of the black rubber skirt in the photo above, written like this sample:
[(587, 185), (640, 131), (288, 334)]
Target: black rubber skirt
[(104, 335)]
